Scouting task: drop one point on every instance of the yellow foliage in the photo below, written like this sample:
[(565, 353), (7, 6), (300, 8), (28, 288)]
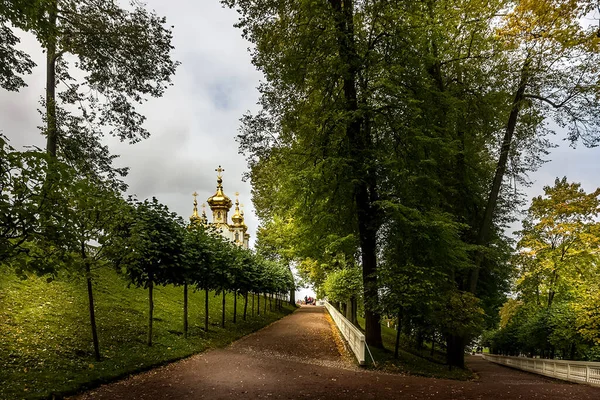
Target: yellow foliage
[(547, 24), (508, 310)]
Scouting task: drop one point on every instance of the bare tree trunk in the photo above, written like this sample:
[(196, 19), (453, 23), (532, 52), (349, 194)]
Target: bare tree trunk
[(486, 223), (455, 351), (206, 310), (398, 326), (223, 313), (349, 310), (258, 304), (185, 310), (293, 296), (91, 306), (245, 305), (150, 308), (51, 56), (235, 294)]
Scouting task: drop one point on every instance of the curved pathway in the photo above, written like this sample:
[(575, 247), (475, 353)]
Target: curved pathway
[(301, 357)]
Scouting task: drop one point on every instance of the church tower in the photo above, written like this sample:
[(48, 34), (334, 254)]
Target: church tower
[(196, 219), (219, 203), (238, 226)]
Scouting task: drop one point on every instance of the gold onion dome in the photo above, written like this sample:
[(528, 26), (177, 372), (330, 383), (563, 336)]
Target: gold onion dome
[(219, 199), (243, 223), (195, 218), (204, 217), (237, 218)]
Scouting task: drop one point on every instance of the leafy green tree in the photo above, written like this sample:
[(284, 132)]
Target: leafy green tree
[(276, 240), (588, 315), (345, 285), (248, 277), (557, 269), (553, 54), (196, 266), (122, 54), (341, 147), (27, 241), (202, 255), (21, 177), (559, 238), (223, 273), (461, 316), (92, 207), (147, 246)]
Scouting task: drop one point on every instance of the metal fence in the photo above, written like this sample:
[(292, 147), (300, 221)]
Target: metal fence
[(354, 337), (574, 371)]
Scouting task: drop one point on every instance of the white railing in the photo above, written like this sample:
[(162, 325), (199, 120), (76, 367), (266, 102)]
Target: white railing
[(574, 371), (354, 337)]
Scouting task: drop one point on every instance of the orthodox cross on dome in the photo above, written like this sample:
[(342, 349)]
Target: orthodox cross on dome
[(219, 172), (195, 217)]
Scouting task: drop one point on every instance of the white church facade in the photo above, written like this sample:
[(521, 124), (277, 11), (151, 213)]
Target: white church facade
[(220, 205)]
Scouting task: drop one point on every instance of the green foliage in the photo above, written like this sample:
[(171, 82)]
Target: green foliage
[(344, 284), (21, 179), (35, 210), (102, 61), (558, 277), (375, 144), (461, 315), (148, 242), (13, 62), (411, 361)]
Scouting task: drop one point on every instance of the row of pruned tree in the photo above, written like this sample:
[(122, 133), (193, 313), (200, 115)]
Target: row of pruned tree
[(87, 225), (61, 207)]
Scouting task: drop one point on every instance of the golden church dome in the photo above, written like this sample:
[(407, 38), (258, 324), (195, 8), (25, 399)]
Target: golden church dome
[(237, 218), (195, 218), (219, 200)]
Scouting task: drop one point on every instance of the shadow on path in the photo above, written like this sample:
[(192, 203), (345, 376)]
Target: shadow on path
[(298, 357)]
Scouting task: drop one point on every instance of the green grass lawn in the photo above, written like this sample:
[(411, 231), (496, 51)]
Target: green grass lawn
[(45, 338), (409, 361)]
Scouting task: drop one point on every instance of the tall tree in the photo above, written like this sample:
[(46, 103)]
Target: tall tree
[(122, 54), (92, 207), (553, 76), (560, 237), (557, 276)]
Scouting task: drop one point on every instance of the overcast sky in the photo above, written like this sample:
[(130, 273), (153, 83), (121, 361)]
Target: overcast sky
[(194, 125)]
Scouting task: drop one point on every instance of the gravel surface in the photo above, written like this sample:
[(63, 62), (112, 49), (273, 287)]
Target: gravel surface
[(302, 357)]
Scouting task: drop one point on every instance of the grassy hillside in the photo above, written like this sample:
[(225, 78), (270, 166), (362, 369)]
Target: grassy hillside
[(45, 338)]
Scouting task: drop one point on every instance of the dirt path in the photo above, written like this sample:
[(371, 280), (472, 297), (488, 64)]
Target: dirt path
[(299, 357)]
